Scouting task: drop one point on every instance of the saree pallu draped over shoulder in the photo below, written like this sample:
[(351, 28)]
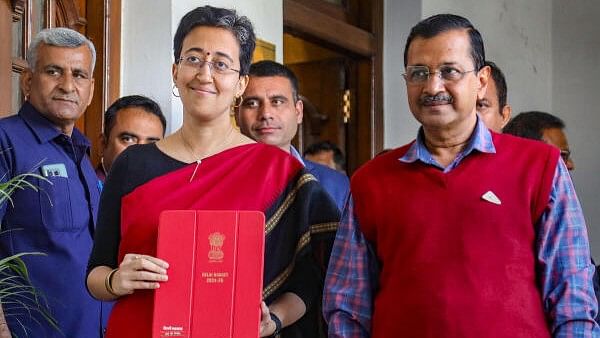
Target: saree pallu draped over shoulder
[(301, 224)]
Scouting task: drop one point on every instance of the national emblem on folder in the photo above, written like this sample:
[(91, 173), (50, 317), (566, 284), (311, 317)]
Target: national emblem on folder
[(216, 240), (214, 297)]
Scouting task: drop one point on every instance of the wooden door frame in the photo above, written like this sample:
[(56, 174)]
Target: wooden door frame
[(104, 30), (320, 22), (5, 59)]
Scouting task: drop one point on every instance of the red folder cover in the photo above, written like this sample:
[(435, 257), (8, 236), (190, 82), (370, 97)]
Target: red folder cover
[(215, 274)]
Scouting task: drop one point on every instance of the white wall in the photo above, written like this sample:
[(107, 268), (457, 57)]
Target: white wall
[(147, 44), (146, 47), (576, 86), (400, 126)]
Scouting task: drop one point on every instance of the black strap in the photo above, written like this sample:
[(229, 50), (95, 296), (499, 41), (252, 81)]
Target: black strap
[(278, 325)]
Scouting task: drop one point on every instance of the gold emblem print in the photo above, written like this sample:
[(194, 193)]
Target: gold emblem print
[(216, 254)]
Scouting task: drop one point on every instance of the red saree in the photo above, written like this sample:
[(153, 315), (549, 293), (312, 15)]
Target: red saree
[(249, 177)]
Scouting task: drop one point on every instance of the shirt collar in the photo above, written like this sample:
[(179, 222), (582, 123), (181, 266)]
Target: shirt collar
[(481, 140), (297, 155), (44, 130)]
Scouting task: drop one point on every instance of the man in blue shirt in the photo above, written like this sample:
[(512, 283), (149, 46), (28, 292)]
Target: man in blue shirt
[(326, 153), (59, 218), (271, 112)]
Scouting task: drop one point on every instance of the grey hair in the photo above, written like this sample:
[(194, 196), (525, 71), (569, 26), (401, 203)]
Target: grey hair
[(59, 37)]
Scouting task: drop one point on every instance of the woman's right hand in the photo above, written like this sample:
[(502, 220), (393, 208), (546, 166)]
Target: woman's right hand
[(139, 272)]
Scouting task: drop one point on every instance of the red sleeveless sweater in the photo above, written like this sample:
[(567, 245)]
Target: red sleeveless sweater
[(452, 263)]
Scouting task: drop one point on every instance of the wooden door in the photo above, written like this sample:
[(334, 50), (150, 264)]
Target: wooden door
[(346, 38), (21, 20), (322, 85)]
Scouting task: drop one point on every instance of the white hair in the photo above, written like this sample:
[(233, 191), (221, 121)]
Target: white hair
[(59, 37)]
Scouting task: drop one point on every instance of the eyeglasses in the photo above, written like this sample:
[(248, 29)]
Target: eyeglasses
[(216, 67), (566, 155), (416, 75)]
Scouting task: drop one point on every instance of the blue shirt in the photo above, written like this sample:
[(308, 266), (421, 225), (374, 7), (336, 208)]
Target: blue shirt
[(57, 220), (334, 182), (564, 268)]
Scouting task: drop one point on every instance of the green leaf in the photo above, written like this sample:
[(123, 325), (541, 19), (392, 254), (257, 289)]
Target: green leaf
[(17, 294)]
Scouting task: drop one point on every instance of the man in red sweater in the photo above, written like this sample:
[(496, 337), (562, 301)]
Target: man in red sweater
[(462, 232)]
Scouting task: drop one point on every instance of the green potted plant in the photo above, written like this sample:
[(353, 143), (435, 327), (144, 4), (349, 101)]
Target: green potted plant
[(16, 291)]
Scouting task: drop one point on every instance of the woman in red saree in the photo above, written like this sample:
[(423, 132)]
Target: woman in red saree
[(207, 164)]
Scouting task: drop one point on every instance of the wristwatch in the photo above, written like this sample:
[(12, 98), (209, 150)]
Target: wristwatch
[(278, 325)]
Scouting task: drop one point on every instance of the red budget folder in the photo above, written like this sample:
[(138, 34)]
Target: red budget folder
[(215, 274)]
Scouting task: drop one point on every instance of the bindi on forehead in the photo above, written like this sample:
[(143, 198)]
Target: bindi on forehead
[(206, 53)]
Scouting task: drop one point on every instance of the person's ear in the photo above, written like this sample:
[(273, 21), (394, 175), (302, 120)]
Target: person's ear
[(25, 82), (299, 107), (91, 92), (506, 113), (483, 76), (174, 72), (242, 84)]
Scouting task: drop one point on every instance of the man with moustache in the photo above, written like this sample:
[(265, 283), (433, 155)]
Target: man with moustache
[(58, 219), (493, 108), (475, 234), (271, 112)]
